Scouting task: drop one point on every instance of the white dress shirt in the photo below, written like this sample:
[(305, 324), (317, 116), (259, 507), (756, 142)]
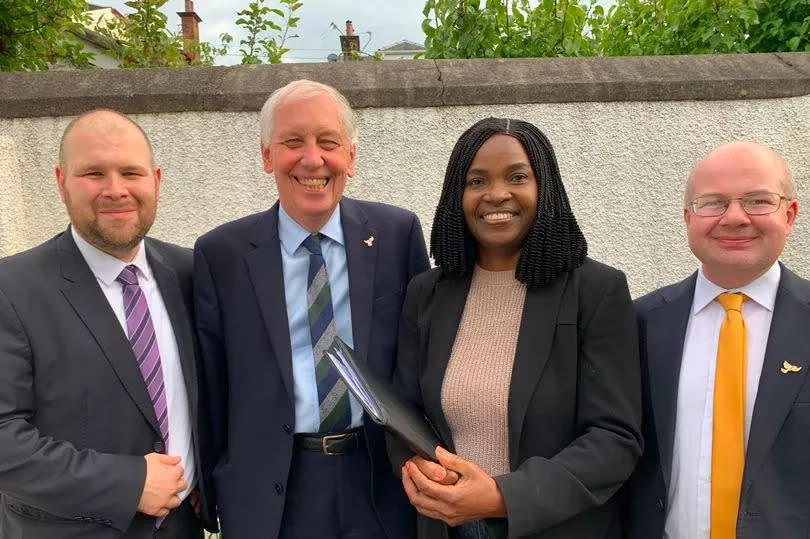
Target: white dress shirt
[(689, 496), (106, 268)]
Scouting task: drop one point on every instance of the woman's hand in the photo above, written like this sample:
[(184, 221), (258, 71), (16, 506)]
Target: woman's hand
[(473, 496), (435, 472)]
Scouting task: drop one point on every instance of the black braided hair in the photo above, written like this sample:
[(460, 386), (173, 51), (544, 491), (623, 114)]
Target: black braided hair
[(554, 243)]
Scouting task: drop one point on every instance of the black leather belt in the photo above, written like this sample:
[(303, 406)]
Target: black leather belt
[(333, 443)]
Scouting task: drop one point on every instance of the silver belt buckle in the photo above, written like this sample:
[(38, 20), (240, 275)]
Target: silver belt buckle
[(325, 439)]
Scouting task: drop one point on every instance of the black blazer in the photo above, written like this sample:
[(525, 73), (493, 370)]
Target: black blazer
[(75, 416), (775, 501), (245, 341), (574, 410)]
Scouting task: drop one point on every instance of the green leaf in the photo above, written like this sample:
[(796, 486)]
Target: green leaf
[(793, 43)]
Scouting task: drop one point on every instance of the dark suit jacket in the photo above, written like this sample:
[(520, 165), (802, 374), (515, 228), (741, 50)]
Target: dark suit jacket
[(75, 416), (775, 499), (574, 402), (245, 340)]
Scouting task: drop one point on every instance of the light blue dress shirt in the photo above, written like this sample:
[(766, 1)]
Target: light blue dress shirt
[(295, 266)]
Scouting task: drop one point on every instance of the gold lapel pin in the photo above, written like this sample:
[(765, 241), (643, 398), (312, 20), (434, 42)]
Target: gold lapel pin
[(370, 241), (787, 367)]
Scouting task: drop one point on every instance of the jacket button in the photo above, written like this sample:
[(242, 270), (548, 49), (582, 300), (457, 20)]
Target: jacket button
[(287, 428), (158, 447), (279, 488), (659, 503)]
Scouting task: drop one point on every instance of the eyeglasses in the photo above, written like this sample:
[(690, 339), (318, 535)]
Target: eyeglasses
[(756, 204)]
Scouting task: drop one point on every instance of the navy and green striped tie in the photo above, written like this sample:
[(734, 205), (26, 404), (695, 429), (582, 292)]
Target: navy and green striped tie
[(333, 399)]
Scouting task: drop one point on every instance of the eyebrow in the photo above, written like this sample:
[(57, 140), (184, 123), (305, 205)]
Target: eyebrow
[(283, 135), (509, 168), (84, 167), (747, 193)]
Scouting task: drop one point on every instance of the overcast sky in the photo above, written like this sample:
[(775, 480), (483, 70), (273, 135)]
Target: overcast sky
[(379, 23), (388, 21)]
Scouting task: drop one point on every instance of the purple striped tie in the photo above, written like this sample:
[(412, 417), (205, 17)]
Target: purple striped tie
[(142, 337)]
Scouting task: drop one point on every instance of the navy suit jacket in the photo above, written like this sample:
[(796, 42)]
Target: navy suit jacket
[(244, 336), (775, 500)]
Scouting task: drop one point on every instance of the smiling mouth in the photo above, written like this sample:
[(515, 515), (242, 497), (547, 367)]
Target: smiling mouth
[(498, 217), (312, 184), (118, 211), (739, 239), (734, 242)]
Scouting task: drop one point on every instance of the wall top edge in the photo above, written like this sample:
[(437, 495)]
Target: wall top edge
[(413, 83)]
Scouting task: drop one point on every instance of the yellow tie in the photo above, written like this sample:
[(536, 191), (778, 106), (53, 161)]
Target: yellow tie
[(728, 441)]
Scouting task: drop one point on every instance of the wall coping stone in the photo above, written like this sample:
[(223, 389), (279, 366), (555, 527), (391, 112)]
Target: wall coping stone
[(412, 83)]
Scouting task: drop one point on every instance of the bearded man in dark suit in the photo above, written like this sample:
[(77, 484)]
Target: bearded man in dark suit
[(98, 392)]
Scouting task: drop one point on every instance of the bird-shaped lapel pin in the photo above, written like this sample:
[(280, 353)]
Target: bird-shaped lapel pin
[(370, 241), (788, 368)]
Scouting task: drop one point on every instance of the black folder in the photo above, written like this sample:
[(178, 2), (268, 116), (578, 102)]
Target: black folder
[(382, 403)]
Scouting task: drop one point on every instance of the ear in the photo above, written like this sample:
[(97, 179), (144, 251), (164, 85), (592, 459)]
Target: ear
[(791, 212), (687, 216), (267, 158), (158, 180), (352, 156), (60, 182)]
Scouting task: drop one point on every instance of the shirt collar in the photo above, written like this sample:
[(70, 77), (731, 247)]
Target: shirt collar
[(292, 235), (762, 289), (106, 267)]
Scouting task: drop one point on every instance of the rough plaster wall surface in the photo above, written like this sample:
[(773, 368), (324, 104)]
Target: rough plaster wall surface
[(624, 165), (11, 207)]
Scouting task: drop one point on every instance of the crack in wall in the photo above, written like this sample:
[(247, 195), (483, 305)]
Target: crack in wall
[(439, 78), (793, 67)]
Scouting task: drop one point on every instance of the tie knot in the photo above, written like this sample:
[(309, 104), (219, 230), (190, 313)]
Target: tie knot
[(128, 276), (312, 243), (731, 302)]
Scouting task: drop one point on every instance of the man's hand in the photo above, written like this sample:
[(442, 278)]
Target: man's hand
[(164, 480), (474, 496)]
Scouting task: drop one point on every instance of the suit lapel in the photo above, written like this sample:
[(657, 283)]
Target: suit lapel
[(267, 277), (448, 306), (538, 325), (86, 297), (789, 341), (361, 260), (664, 338), (169, 287)]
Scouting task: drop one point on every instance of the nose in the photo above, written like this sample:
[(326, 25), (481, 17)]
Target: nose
[(498, 192), (115, 187), (735, 214), (311, 157)]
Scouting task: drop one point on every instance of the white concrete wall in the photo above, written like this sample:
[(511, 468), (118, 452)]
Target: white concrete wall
[(624, 165)]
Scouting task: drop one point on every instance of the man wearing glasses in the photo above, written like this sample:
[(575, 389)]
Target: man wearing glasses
[(725, 354)]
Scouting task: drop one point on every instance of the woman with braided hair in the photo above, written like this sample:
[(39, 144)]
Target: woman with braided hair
[(521, 351)]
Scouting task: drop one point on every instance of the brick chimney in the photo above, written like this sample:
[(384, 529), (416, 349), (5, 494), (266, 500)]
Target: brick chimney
[(349, 43), (190, 23)]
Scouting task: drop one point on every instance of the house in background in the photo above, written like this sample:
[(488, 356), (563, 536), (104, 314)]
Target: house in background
[(102, 47), (401, 50), (94, 42)]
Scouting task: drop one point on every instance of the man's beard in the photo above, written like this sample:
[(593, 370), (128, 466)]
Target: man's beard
[(108, 243)]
